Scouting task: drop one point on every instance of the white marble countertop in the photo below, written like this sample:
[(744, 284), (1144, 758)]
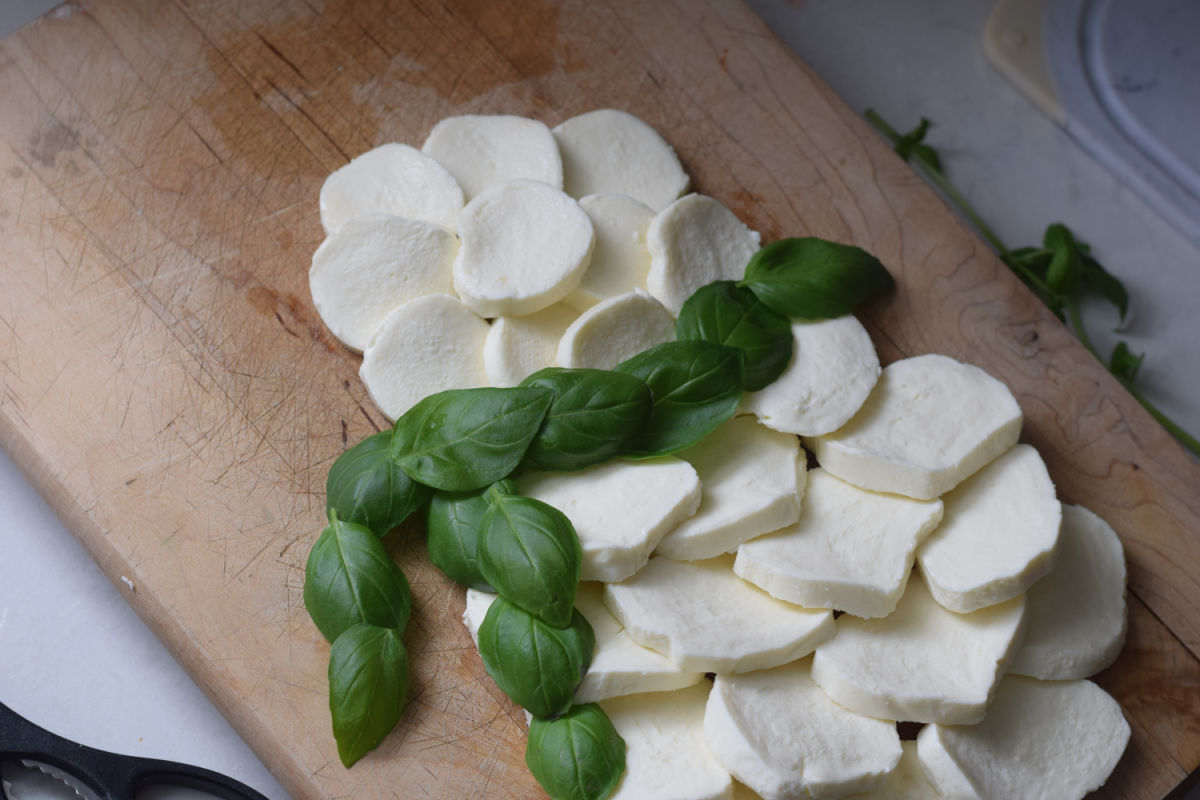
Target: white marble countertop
[(80, 662)]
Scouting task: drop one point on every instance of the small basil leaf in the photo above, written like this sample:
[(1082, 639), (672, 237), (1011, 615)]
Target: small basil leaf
[(368, 688), (594, 417), (579, 756), (454, 525), (724, 313), (696, 386), (366, 486), (810, 278), (1124, 364), (538, 665), (350, 578), (465, 439), (1104, 282), (1062, 275), (530, 552)]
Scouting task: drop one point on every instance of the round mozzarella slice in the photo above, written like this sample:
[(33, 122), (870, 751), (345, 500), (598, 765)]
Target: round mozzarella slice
[(371, 265), (1040, 740), (908, 782), (614, 330), (620, 260), (1077, 612), (693, 242), (779, 734), (832, 371), (998, 536), (525, 246), (391, 179), (929, 423), (516, 347), (485, 151), (424, 346), (921, 663), (607, 150)]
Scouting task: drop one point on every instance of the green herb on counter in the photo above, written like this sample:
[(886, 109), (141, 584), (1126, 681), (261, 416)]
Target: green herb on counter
[(368, 688), (579, 756), (365, 485)]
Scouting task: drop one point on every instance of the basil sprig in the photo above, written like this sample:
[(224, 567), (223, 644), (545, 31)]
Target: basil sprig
[(810, 278), (368, 688), (453, 527), (366, 485), (578, 756), (724, 313)]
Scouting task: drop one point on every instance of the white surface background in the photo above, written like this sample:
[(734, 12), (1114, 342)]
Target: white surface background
[(77, 660)]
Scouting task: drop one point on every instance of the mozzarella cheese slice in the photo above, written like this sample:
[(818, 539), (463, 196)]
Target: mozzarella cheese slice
[(516, 347), (620, 260), (779, 734), (1040, 740), (753, 480), (392, 179), (477, 605), (612, 151), (907, 782), (930, 422), (525, 246), (371, 265), (851, 549), (704, 618), (423, 346), (832, 371), (693, 242), (614, 330), (921, 663), (483, 151), (620, 509), (1076, 613), (999, 534)]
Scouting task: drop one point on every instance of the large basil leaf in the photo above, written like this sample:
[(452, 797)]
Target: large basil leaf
[(725, 313), (350, 578), (810, 278), (366, 486), (454, 524), (696, 386), (579, 756), (530, 553), (538, 665), (368, 688), (465, 439), (594, 417)]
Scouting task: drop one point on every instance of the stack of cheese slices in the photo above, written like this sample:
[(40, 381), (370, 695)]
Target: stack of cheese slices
[(760, 628)]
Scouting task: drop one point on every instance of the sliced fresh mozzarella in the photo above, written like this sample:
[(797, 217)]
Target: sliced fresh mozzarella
[(614, 330), (851, 549), (1040, 740), (908, 782), (692, 242), (1077, 612), (620, 260), (832, 370), (703, 617), (516, 347), (752, 481), (999, 534), (391, 179), (525, 246), (666, 756), (612, 151), (477, 605), (921, 663), (779, 734), (930, 423), (620, 509), (371, 265), (424, 346), (941, 770), (483, 151)]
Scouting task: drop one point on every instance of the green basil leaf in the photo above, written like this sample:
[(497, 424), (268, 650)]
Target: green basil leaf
[(810, 278), (724, 313), (538, 665), (366, 486), (696, 386), (579, 756), (350, 578), (1062, 275), (1124, 364), (368, 688), (454, 525), (465, 439), (1104, 282), (530, 552), (594, 417)]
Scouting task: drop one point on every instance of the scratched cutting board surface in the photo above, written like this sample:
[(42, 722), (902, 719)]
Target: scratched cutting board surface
[(170, 390)]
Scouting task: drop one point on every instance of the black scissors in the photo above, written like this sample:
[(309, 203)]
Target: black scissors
[(109, 775)]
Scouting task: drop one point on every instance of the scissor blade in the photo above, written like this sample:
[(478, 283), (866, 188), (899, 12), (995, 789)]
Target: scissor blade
[(61, 777)]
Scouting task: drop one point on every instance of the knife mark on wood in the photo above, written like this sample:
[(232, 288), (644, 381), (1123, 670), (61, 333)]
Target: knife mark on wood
[(279, 54)]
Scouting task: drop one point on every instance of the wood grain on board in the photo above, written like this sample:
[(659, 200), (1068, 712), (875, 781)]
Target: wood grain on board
[(169, 388)]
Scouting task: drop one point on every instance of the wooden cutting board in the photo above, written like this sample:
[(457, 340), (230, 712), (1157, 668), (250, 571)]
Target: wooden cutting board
[(170, 390)]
